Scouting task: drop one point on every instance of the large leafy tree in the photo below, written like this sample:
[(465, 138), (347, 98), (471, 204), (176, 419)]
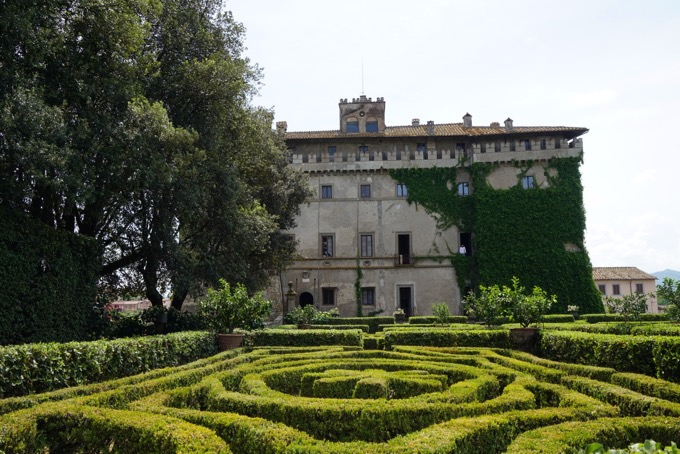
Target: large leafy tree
[(131, 122)]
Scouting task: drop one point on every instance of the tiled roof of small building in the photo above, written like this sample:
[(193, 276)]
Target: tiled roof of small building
[(620, 272), (440, 130)]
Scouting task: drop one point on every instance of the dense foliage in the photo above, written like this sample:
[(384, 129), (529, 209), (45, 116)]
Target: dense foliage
[(129, 122), (517, 232)]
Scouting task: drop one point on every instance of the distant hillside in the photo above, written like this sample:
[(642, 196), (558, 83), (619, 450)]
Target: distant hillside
[(660, 275)]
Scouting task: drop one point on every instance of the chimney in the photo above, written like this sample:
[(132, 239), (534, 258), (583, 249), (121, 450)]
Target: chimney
[(495, 124), (281, 126), (430, 128), (467, 120), (415, 122), (508, 124)]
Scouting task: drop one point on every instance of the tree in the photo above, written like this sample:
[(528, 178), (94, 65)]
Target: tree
[(669, 293), (130, 122)]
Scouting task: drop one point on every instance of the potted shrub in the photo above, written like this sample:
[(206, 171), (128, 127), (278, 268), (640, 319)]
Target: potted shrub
[(227, 308), (441, 313), (399, 316), (526, 309), (306, 316), (489, 305)]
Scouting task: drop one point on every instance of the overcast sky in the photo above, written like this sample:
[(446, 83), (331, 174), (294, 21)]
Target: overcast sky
[(610, 66)]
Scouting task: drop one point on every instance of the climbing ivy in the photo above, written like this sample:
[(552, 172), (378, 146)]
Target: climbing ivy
[(535, 235)]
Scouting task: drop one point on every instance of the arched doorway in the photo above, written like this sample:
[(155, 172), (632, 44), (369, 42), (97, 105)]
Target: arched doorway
[(306, 299)]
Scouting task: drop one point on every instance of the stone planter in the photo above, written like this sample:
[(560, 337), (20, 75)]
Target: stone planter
[(524, 338), (399, 318), (229, 341)]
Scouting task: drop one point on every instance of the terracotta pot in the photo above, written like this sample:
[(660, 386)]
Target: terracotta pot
[(229, 341), (524, 338)]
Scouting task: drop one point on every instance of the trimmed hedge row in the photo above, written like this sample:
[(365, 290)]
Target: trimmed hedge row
[(635, 329), (569, 437), (599, 318), (305, 337), (36, 368), (443, 337), (364, 328), (656, 356), (372, 322), (62, 427), (431, 320)]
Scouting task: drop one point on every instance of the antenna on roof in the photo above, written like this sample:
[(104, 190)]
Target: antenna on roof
[(362, 76)]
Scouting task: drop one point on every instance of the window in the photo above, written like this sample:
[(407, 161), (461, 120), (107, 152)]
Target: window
[(544, 145), (527, 144), (402, 190), (352, 126), (463, 189), (528, 182), (497, 147), (326, 192), (368, 296), (512, 145), (331, 153), (639, 288), (558, 142), (367, 245), (365, 191), (328, 296), (363, 148), (616, 290), (327, 245), (371, 126), (602, 288), (421, 147)]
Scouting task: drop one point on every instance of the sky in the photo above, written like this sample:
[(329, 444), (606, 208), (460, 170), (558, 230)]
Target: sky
[(610, 66)]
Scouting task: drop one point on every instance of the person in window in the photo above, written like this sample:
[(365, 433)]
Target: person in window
[(462, 250)]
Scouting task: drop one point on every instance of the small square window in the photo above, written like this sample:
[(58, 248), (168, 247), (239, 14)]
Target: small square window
[(528, 182), (527, 144), (365, 191), (402, 190), (352, 126), (421, 147), (328, 296), (363, 148), (326, 192), (368, 296), (639, 288), (463, 189), (331, 153), (602, 288), (616, 290), (371, 126), (327, 249), (367, 245)]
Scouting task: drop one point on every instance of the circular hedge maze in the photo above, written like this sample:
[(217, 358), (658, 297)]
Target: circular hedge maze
[(349, 400)]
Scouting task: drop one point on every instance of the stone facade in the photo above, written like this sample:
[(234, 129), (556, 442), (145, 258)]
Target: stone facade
[(361, 243)]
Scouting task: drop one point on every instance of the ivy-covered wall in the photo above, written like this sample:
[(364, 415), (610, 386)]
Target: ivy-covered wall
[(48, 281), (536, 235)]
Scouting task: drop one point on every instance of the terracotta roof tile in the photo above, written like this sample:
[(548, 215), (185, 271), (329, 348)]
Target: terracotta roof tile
[(620, 272), (440, 130)]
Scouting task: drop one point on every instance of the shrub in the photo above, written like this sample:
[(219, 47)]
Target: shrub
[(430, 320), (630, 306), (307, 315), (33, 368), (441, 313), (307, 337), (442, 337), (225, 309)]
